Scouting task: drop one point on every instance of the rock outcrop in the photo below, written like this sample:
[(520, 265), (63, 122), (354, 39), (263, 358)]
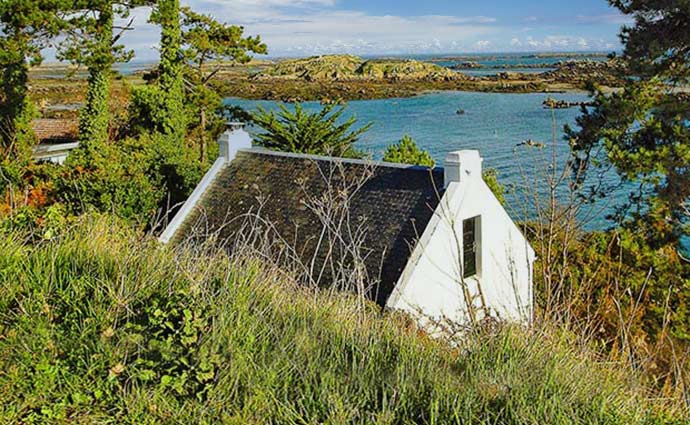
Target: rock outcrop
[(315, 68), (351, 68), (551, 103), (608, 73), (467, 65)]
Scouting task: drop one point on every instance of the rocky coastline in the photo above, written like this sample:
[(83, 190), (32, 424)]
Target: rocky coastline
[(337, 79)]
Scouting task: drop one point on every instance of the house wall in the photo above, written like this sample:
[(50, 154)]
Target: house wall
[(431, 287)]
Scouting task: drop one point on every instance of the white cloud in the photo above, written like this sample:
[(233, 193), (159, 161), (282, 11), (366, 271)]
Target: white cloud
[(609, 18), (303, 27), (320, 26), (328, 30), (482, 44), (565, 42)]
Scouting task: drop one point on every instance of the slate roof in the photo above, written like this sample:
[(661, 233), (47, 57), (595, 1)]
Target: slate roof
[(50, 131), (391, 204)]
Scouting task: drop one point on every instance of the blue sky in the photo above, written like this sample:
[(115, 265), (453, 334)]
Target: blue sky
[(305, 27)]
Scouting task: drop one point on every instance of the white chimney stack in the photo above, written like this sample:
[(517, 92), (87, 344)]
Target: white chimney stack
[(461, 166), (232, 140)]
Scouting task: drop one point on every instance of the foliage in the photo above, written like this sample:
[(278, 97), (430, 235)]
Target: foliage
[(101, 325), (171, 68), (33, 205), (132, 179), (406, 151), (490, 177), (207, 41), (149, 112), (91, 42), (644, 130), (25, 28), (193, 48), (319, 133), (114, 179), (631, 300)]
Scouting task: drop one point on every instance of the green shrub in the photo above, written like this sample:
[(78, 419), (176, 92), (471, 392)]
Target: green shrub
[(115, 179), (318, 133), (490, 176), (101, 325), (133, 179), (406, 151)]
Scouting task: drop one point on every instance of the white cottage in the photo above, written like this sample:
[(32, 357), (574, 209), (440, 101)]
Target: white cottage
[(433, 242)]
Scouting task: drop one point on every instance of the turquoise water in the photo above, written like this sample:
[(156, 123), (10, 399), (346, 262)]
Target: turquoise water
[(495, 63), (483, 72), (494, 123)]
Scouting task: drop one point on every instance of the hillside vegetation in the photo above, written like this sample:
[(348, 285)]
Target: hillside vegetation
[(348, 67), (101, 325)]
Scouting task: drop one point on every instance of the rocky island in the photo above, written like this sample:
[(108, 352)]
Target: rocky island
[(346, 77), (340, 78)]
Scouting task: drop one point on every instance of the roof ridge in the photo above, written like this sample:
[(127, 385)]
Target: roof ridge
[(264, 151)]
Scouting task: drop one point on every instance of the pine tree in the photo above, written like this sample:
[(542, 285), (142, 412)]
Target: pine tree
[(318, 133), (406, 151), (208, 42), (644, 130), (26, 27), (92, 42)]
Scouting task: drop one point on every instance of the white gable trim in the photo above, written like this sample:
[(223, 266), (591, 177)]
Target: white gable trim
[(231, 141), (192, 201)]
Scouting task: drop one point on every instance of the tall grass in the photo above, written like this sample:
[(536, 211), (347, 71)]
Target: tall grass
[(102, 325)]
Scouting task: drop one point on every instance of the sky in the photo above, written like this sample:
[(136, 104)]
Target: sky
[(379, 27)]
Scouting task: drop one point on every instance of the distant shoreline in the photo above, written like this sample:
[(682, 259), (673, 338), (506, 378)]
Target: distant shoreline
[(429, 57), (337, 79)]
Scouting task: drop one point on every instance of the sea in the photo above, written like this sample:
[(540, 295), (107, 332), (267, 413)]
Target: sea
[(514, 133)]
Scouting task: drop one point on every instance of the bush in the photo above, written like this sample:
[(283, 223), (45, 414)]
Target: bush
[(101, 325), (114, 180), (406, 151), (490, 176), (630, 297), (133, 179), (318, 133)]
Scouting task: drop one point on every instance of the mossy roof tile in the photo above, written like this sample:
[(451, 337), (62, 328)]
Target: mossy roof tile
[(392, 206)]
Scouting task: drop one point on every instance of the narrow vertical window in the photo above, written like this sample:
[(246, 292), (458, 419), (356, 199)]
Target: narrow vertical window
[(470, 246)]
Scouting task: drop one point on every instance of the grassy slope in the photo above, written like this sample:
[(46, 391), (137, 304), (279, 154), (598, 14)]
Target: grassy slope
[(104, 326)]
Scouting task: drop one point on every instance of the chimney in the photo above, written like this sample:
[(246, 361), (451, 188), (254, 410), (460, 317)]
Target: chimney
[(461, 166), (232, 140)]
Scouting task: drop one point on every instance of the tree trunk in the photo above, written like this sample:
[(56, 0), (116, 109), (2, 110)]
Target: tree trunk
[(170, 68), (202, 138), (94, 117)]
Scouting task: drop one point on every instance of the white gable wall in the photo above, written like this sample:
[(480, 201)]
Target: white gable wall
[(431, 286)]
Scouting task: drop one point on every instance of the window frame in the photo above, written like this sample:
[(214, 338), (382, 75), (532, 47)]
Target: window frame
[(475, 271)]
